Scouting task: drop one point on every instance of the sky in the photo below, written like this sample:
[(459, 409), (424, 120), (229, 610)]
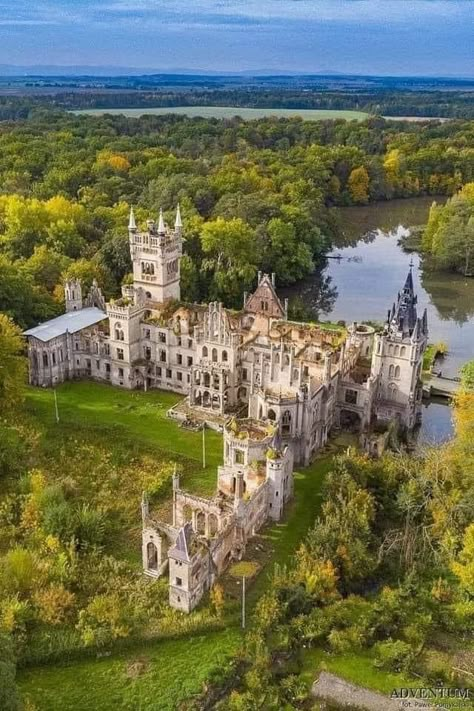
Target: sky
[(397, 37)]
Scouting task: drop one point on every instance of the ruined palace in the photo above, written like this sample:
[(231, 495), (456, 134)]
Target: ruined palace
[(276, 388)]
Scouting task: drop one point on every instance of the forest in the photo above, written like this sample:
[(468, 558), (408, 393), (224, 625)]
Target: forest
[(149, 92), (254, 195)]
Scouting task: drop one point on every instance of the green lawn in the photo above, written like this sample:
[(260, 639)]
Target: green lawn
[(225, 112), (127, 416), (172, 670)]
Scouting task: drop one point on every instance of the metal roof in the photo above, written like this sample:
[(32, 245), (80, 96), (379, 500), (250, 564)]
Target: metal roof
[(72, 321)]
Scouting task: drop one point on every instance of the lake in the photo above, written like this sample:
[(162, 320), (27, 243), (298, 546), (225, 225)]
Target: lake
[(364, 282)]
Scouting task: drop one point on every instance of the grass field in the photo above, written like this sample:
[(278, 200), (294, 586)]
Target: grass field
[(154, 675), (131, 417), (225, 112)]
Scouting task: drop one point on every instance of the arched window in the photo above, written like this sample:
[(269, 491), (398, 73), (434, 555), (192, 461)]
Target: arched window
[(391, 371), (397, 350), (119, 334), (214, 355), (390, 348), (204, 351), (392, 391), (286, 422), (152, 556), (200, 522), (271, 414), (403, 351), (397, 371), (224, 356)]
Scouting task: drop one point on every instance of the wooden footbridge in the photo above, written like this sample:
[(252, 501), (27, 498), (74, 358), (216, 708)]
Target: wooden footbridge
[(440, 386)]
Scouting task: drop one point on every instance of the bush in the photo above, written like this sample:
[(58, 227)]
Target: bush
[(9, 700), (394, 655)]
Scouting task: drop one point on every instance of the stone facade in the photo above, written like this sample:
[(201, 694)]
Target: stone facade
[(254, 484), (295, 381)]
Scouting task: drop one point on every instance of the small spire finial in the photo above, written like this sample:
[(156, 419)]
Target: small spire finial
[(178, 223), (161, 223), (132, 225)]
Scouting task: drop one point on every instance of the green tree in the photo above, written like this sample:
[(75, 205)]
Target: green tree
[(229, 246), (9, 698), (12, 364)]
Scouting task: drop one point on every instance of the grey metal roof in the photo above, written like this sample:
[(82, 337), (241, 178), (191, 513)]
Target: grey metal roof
[(72, 321)]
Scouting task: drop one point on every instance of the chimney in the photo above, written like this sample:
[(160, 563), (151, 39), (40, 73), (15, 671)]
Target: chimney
[(273, 278)]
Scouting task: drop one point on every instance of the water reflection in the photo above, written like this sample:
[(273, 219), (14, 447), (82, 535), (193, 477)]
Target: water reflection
[(363, 282)]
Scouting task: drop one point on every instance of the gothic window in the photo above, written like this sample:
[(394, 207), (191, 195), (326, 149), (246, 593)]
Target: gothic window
[(207, 380), (397, 371), (391, 371), (53, 356), (214, 355), (204, 352), (238, 456), (351, 397), (271, 414), (45, 360), (392, 391), (286, 422), (397, 350), (213, 524), (224, 356), (390, 348), (152, 556), (119, 334), (403, 351), (200, 522)]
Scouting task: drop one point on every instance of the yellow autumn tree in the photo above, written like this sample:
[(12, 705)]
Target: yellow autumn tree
[(359, 185)]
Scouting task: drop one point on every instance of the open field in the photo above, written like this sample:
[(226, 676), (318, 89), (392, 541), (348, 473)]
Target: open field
[(226, 112)]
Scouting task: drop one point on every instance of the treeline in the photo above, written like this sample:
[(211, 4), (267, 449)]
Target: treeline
[(386, 102), (449, 234), (254, 194)]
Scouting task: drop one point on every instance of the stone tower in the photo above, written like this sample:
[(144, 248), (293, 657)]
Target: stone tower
[(156, 255), (73, 295), (397, 360)]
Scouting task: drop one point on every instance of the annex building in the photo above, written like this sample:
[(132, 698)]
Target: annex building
[(276, 388)]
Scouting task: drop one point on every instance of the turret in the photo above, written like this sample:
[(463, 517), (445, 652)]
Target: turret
[(73, 295)]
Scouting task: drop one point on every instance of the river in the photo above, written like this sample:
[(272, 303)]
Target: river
[(363, 283)]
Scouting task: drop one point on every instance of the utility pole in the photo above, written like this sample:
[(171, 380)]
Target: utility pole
[(56, 405), (243, 602), (204, 445)]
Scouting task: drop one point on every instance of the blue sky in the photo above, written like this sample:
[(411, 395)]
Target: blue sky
[(430, 37)]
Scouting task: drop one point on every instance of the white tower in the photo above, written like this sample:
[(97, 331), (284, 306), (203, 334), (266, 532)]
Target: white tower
[(73, 295), (397, 360), (156, 256)]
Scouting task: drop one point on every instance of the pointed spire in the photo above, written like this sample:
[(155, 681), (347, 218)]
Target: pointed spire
[(161, 223), (409, 280), (178, 223), (132, 225)]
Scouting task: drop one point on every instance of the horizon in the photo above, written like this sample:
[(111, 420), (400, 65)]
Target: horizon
[(349, 37)]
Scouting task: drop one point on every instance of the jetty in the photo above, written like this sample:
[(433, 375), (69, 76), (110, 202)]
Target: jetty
[(440, 386)]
